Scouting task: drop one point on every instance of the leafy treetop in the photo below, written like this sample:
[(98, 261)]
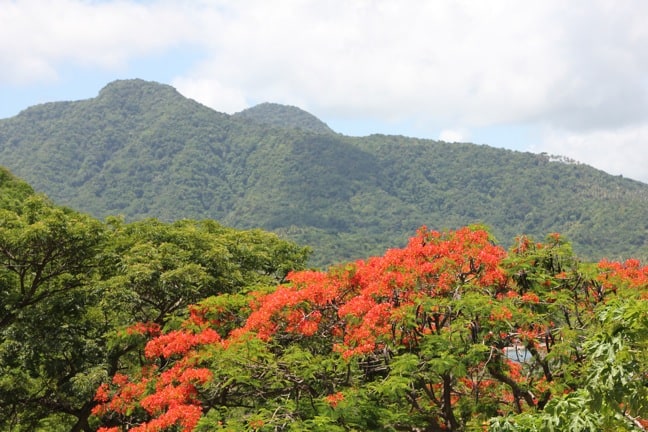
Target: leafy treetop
[(449, 333)]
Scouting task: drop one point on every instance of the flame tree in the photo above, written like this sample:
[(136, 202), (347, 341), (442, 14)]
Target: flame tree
[(451, 332)]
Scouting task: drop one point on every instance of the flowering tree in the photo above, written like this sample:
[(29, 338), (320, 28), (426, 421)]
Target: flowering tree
[(80, 298), (444, 334)]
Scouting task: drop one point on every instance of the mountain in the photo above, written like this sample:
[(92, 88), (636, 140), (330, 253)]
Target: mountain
[(141, 149), (283, 116)]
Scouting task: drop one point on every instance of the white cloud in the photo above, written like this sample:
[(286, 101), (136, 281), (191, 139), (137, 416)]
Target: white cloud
[(575, 65), (620, 151), (465, 63), (39, 37), (386, 59), (578, 69), (212, 93)]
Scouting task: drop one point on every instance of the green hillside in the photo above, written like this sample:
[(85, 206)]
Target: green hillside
[(141, 149)]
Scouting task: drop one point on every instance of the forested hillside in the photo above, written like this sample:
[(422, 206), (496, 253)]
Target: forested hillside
[(141, 149)]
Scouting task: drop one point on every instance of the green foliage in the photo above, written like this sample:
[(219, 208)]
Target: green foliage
[(613, 395), (158, 269), (49, 260), (421, 345), (142, 150), (13, 191), (611, 390), (418, 339), (71, 289)]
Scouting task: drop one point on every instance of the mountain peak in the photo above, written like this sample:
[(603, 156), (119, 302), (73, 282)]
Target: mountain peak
[(141, 149), (136, 85), (284, 116), (137, 89)]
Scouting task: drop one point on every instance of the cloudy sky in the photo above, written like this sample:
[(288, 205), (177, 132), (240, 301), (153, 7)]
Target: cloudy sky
[(563, 77)]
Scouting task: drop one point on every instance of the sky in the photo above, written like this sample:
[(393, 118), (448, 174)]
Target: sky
[(567, 78)]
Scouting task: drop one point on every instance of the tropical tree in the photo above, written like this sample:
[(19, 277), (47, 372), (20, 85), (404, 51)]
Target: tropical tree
[(49, 264), (71, 286), (611, 394), (444, 334)]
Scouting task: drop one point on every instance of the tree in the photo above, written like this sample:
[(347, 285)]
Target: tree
[(73, 286), (49, 261), (611, 393), (45, 251), (443, 334)]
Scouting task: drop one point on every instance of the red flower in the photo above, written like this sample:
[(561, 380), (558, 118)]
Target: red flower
[(334, 399)]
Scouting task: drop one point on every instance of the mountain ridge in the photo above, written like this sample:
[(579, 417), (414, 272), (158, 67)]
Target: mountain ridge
[(141, 149)]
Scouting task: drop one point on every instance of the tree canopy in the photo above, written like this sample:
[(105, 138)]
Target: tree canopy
[(449, 333), (71, 286), (193, 326)]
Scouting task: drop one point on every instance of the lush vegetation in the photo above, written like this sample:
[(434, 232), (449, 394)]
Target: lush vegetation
[(141, 150), (448, 333), (192, 326), (71, 286)]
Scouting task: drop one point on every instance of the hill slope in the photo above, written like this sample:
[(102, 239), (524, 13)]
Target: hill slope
[(141, 149)]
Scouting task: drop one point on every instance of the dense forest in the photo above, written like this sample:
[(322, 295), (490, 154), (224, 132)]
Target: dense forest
[(192, 326), (140, 149), (71, 286)]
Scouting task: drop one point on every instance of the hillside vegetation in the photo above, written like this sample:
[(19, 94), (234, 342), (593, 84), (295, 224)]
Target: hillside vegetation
[(140, 149), (193, 326)]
